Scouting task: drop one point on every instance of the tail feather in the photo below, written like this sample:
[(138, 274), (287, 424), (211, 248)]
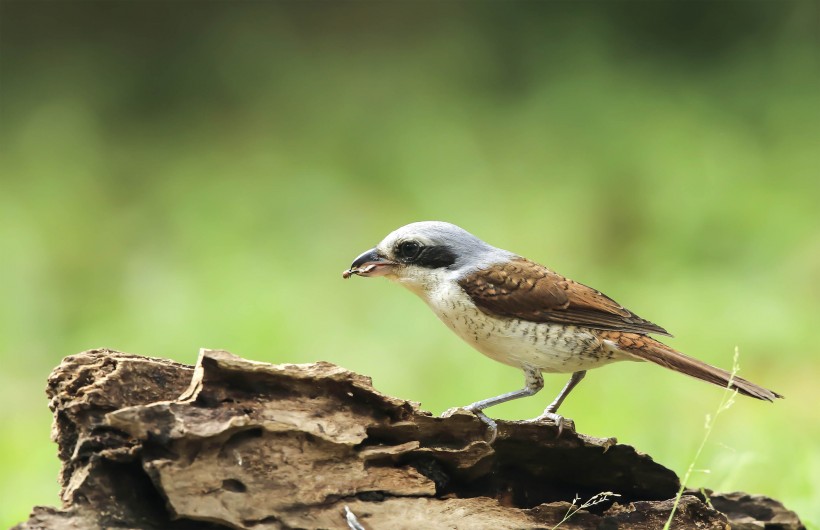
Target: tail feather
[(648, 349)]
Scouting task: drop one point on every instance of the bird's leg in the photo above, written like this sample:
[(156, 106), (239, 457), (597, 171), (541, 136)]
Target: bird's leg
[(552, 408), (533, 383), (572, 383)]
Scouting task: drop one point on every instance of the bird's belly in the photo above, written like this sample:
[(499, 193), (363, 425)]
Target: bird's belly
[(548, 347)]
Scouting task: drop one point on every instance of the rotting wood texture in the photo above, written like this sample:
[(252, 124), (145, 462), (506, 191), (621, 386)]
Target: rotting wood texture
[(232, 443)]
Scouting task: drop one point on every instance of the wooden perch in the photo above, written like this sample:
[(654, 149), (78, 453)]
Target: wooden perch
[(231, 443)]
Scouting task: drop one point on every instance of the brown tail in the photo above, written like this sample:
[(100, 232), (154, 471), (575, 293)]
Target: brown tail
[(648, 349)]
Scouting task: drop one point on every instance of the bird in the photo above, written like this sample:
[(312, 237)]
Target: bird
[(523, 314)]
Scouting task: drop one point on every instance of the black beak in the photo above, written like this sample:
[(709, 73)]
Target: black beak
[(370, 263), (371, 256)]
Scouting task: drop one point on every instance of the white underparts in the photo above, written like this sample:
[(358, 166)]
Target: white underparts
[(548, 347)]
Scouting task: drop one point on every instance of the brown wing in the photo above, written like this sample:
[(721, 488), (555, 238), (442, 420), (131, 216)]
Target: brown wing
[(529, 291)]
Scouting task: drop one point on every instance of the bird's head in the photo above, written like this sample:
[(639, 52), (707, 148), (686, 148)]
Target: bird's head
[(420, 253)]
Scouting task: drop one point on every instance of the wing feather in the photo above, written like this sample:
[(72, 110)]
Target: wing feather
[(525, 290)]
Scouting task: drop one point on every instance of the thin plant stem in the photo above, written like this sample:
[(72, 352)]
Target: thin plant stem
[(726, 401), (598, 498)]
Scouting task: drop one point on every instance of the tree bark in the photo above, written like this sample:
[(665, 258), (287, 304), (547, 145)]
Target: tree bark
[(232, 443)]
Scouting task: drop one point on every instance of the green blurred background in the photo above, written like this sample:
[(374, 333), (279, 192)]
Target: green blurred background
[(184, 175)]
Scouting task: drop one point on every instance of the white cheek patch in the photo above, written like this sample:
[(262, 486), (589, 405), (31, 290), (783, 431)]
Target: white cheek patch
[(423, 282)]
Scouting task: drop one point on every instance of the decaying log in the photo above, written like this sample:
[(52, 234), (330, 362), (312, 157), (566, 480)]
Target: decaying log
[(231, 443)]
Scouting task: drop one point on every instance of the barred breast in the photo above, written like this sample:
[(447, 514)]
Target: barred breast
[(549, 347)]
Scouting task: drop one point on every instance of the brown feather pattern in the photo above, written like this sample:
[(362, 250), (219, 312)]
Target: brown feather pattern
[(648, 349), (525, 290)]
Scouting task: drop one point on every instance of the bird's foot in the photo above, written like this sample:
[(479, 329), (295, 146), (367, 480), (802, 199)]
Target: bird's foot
[(560, 421), (492, 427)]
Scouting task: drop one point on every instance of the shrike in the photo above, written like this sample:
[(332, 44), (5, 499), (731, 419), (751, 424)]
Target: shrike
[(523, 314)]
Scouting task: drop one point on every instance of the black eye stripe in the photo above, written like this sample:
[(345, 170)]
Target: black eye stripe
[(428, 256), (435, 257)]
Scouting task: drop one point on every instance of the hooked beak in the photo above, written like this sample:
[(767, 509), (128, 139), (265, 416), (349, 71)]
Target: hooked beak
[(369, 264)]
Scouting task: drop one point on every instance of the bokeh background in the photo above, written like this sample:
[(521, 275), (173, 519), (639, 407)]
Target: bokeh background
[(178, 175)]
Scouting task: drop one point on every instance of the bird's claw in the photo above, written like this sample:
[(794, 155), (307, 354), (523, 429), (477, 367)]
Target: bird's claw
[(560, 421), (492, 427)]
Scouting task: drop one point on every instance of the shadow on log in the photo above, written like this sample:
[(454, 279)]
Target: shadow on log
[(231, 443)]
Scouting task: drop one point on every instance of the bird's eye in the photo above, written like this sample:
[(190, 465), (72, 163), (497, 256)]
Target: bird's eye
[(409, 249)]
